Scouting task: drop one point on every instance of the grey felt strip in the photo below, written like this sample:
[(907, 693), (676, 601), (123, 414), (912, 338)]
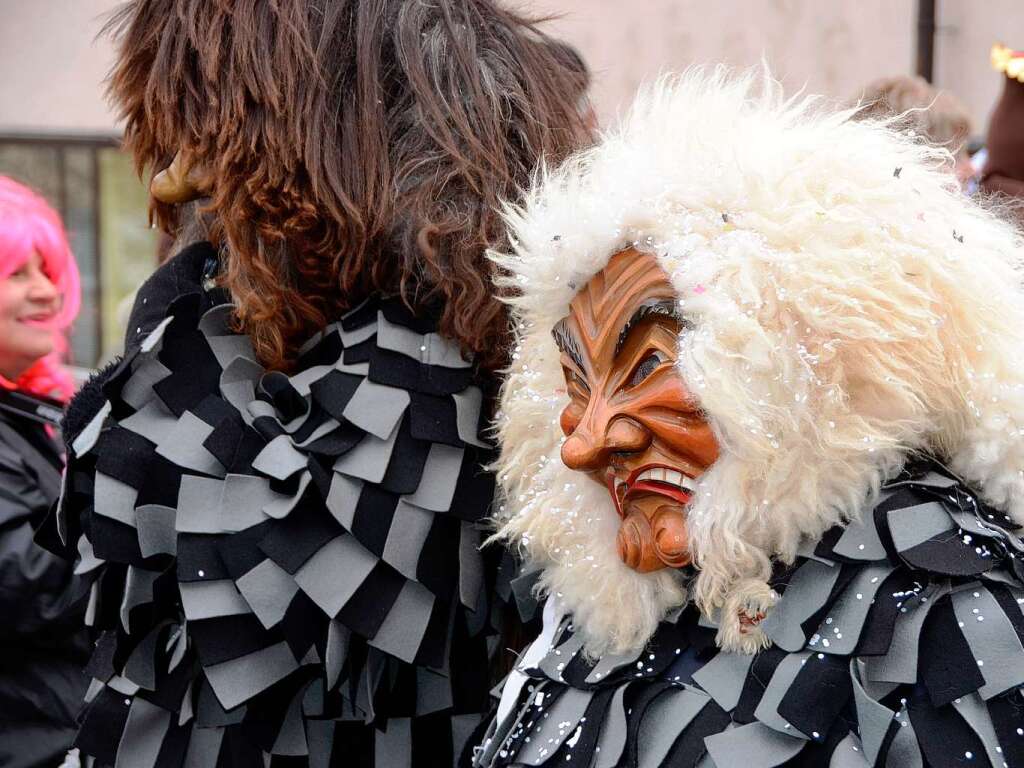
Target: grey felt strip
[(342, 498), (608, 663), (157, 535), (406, 536), (375, 408), (203, 747), (723, 678), (558, 658), (338, 636), (433, 692), (463, 727), (302, 380), (667, 717), (358, 335), (612, 740), (558, 724), (778, 687), (242, 500), (93, 603), (320, 740), (752, 746), (238, 680), (141, 665), (808, 589), (238, 385), (87, 438), (471, 566), (281, 506), (228, 348), (148, 371), (182, 444), (911, 526), (860, 541), (431, 349), (393, 746), (332, 575), (279, 459), (199, 500), (291, 738), (268, 589), (209, 599), (873, 718), (899, 665), (155, 336), (402, 631), (153, 421), (467, 416), (123, 686), (840, 630), (143, 735), (848, 754), (114, 499), (186, 712), (138, 590), (992, 638), (87, 560), (973, 710), (439, 478), (368, 460), (216, 321), (904, 751)]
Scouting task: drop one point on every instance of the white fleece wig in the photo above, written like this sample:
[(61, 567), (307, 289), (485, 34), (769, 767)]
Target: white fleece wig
[(850, 306)]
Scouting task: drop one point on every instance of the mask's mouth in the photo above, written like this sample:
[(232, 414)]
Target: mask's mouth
[(653, 533), (651, 479)]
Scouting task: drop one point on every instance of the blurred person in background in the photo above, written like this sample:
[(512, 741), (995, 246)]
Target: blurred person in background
[(935, 115), (1003, 172), (42, 642)]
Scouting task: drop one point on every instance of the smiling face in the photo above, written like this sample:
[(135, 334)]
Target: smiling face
[(29, 302), (631, 424)]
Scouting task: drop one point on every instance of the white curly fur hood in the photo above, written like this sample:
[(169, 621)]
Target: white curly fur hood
[(850, 306)]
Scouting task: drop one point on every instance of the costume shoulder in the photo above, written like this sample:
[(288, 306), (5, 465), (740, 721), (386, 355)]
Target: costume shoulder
[(898, 641), (283, 565)]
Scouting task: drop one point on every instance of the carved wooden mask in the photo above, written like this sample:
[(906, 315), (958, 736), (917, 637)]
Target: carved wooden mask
[(631, 424)]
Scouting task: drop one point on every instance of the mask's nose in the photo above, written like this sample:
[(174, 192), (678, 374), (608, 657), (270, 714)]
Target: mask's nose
[(599, 434)]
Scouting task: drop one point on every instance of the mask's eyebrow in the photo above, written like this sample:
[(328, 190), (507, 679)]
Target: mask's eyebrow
[(662, 307), (566, 343)]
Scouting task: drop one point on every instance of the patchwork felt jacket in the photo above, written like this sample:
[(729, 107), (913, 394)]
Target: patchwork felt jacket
[(285, 569), (898, 641)]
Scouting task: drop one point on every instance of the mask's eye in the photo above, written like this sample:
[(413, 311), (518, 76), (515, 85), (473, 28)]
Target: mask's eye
[(647, 366), (577, 381)]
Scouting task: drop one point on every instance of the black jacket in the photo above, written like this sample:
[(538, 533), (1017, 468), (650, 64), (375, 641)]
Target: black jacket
[(42, 639)]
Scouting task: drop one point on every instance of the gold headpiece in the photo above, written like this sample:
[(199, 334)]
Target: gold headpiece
[(1008, 61)]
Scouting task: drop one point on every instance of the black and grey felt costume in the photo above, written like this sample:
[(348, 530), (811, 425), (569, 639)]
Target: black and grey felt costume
[(898, 641), (285, 568)]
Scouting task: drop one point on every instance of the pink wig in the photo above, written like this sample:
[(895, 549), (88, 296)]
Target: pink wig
[(29, 225)]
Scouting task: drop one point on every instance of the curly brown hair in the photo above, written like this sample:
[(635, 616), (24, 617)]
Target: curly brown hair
[(355, 146)]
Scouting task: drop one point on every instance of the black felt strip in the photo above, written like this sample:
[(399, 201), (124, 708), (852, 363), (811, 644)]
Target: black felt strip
[(284, 397), (474, 491), (125, 456), (395, 311), (876, 636), (689, 747), (1010, 607), (758, 677), (847, 573), (583, 752), (115, 541), (408, 457), (946, 553), (946, 740), (338, 441), (101, 662), (224, 638), (363, 315), (199, 558), (434, 642), (438, 565), (303, 625), (290, 542), (208, 711), (102, 725), (361, 352), (397, 370), (820, 691), (945, 663), (174, 746), (372, 601), (906, 496), (327, 351), (234, 444), (267, 427), (372, 518), (333, 392), (434, 418), (241, 552), (1007, 713)]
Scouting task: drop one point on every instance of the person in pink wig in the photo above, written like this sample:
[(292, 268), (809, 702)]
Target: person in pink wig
[(41, 635)]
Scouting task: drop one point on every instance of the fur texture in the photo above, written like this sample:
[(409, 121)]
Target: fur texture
[(850, 307)]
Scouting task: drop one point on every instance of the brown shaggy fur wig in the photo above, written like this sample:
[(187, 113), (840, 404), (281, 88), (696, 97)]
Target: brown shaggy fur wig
[(355, 146)]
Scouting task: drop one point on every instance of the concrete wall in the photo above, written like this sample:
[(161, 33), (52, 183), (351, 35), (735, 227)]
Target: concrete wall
[(54, 66)]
